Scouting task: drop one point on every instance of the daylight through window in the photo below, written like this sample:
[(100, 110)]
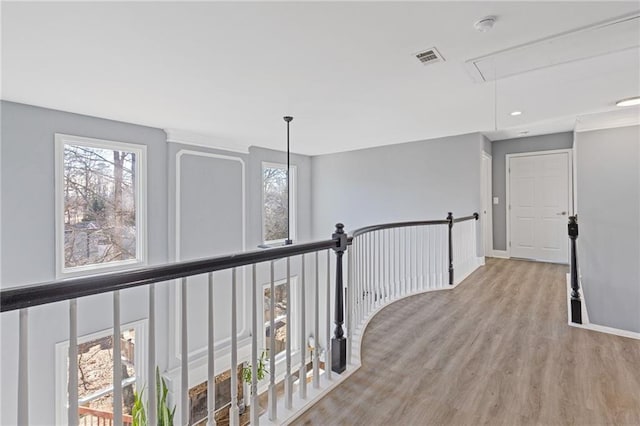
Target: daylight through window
[(100, 211), (95, 374), (279, 319), (276, 204)]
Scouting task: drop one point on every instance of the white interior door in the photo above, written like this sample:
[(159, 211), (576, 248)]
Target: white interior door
[(539, 197)]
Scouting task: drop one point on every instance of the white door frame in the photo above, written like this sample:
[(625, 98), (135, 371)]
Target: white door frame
[(508, 157), (488, 238)]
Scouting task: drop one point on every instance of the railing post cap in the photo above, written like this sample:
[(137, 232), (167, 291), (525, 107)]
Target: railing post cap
[(341, 238)]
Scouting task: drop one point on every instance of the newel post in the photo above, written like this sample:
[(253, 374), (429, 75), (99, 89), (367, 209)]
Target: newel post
[(576, 304), (450, 220), (339, 342)]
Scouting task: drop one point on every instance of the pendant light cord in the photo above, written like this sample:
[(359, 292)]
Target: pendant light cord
[(288, 241)]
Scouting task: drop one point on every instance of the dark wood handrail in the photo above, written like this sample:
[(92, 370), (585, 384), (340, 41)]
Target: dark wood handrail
[(67, 289), (72, 288), (474, 216), (372, 228)]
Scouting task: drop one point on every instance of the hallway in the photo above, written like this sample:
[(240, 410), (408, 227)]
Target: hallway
[(495, 350)]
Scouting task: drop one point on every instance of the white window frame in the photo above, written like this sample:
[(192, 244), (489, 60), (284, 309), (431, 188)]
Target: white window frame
[(141, 205), (62, 365), (293, 198), (293, 289)]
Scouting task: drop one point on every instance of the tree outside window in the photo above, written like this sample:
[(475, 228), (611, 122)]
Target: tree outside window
[(99, 186), (276, 204)]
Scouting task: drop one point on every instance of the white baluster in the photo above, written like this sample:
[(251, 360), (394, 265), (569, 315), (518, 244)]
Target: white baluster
[(416, 233), (350, 288), (430, 253), (392, 262), (376, 271), (387, 261), (117, 361), (23, 368), (211, 368), (73, 363), (316, 325), (361, 280), (380, 268), (234, 416), (422, 257), (273, 397), (184, 355), (302, 375), (151, 359), (370, 286), (255, 409), (288, 388), (327, 356)]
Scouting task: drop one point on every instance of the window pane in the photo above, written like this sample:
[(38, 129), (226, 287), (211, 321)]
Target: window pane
[(280, 318), (99, 205), (95, 373), (275, 203)]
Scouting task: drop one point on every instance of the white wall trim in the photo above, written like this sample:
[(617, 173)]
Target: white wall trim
[(487, 240), (62, 370), (195, 139), (508, 157), (586, 323), (608, 330), (175, 306), (140, 151), (583, 125), (501, 254)]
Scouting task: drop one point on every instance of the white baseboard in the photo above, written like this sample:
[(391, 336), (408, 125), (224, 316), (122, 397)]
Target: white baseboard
[(587, 325), (502, 254), (608, 330)]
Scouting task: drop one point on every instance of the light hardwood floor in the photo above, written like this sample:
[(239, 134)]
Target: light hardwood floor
[(496, 350)]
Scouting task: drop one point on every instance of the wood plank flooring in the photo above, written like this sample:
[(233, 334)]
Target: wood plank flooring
[(496, 350)]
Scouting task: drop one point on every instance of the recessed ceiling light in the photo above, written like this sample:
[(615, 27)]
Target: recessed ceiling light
[(485, 24), (629, 101), (514, 113)]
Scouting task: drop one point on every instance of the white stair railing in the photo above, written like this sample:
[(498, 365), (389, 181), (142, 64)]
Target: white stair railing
[(384, 263)]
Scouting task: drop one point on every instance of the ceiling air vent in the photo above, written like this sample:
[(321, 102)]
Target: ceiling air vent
[(429, 56)]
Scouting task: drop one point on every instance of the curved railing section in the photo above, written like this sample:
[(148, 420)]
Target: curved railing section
[(391, 261), (385, 263)]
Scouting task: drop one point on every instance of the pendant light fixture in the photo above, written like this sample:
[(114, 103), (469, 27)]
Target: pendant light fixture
[(288, 241)]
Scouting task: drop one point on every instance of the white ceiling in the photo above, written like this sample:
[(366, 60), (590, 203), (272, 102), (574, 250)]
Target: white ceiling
[(229, 71)]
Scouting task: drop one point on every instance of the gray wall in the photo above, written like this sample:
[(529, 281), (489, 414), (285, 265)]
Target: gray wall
[(28, 235), (608, 207), (410, 181), (209, 193), (514, 146)]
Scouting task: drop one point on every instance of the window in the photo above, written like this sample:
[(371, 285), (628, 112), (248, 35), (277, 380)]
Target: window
[(100, 204), (95, 374), (275, 206), (280, 317)]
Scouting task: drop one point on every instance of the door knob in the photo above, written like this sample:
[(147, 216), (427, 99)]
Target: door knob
[(562, 214)]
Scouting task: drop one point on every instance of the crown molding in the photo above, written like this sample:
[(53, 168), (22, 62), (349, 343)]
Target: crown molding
[(195, 139)]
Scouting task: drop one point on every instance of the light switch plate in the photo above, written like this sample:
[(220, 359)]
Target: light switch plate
[(495, 200)]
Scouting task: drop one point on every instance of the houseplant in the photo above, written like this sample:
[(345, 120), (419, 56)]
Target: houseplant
[(164, 413)]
